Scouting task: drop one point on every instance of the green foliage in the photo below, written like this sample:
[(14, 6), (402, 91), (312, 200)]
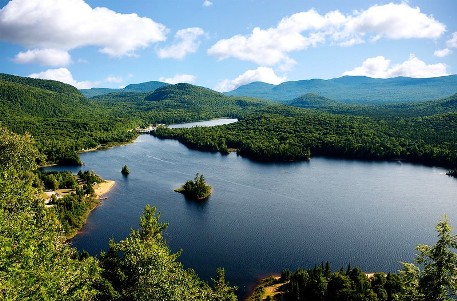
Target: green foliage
[(125, 170), (60, 119), (320, 284), (145, 87), (141, 267), (433, 278), (222, 289), (89, 177), (57, 180), (452, 173), (197, 188), (302, 133), (72, 211), (438, 278), (35, 262)]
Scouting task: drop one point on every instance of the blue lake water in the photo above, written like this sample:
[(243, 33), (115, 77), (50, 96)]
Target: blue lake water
[(206, 123), (265, 217)]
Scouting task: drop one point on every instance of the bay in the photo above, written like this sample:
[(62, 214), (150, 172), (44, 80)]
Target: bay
[(265, 217)]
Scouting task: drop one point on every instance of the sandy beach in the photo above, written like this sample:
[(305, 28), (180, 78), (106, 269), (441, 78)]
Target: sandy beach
[(103, 187)]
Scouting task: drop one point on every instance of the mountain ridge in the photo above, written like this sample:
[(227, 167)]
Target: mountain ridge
[(355, 89)]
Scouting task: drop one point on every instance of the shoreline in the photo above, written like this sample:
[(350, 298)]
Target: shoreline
[(106, 146), (100, 190), (103, 188)]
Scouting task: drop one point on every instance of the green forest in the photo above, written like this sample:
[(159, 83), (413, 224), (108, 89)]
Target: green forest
[(45, 122), (64, 122)]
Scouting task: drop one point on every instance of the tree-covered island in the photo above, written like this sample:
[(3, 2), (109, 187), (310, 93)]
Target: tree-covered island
[(196, 189), (125, 170)]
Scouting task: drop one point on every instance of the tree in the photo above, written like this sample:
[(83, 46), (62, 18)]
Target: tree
[(142, 267), (435, 275), (35, 261), (197, 188), (125, 170), (223, 291), (438, 279)]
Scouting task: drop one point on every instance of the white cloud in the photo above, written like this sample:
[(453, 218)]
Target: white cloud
[(395, 21), (442, 52), (178, 78), (308, 29), (207, 3), (44, 57), (65, 25), (380, 67), (114, 79), (187, 43), (63, 75), (452, 42), (263, 74)]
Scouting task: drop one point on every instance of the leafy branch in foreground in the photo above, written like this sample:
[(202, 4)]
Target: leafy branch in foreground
[(142, 267)]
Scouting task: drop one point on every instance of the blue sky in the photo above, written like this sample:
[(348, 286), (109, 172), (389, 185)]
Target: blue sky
[(222, 44)]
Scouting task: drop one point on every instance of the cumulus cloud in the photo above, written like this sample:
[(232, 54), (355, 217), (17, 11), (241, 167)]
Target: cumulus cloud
[(309, 29), (114, 79), (442, 52), (451, 43), (44, 57), (187, 43), (178, 78), (263, 74), (394, 21), (65, 25), (380, 67), (63, 75), (207, 3)]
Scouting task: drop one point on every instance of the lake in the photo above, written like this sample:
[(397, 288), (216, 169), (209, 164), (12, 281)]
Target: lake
[(206, 123), (265, 217)]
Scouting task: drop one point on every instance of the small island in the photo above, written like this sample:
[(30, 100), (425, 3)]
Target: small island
[(125, 170), (196, 189)]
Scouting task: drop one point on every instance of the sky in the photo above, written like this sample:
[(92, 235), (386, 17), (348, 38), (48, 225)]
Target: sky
[(223, 44)]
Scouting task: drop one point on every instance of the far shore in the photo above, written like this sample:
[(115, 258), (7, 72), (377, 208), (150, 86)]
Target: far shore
[(103, 187)]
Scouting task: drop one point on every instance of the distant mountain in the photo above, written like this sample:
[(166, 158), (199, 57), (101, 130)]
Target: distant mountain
[(142, 87), (98, 91), (355, 89), (311, 100), (184, 92), (145, 87)]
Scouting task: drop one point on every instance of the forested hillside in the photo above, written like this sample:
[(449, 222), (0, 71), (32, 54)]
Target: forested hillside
[(356, 89), (59, 117), (63, 122), (142, 87)]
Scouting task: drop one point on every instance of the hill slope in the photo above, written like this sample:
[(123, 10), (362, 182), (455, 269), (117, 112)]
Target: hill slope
[(59, 117), (356, 89), (141, 87)]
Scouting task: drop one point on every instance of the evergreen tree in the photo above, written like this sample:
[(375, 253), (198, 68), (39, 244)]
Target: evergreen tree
[(438, 279), (125, 170)]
